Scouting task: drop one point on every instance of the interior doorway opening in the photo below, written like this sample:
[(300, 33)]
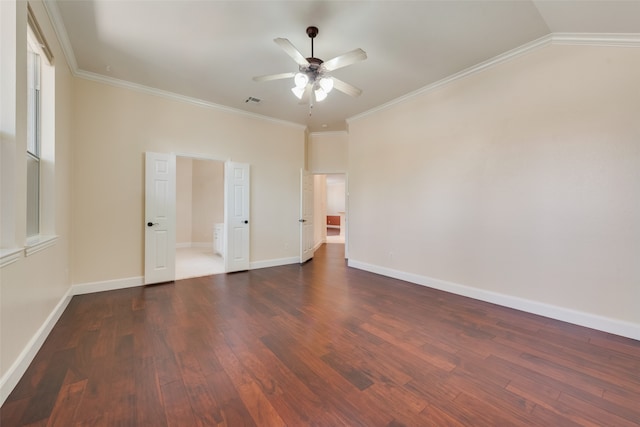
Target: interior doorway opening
[(330, 208), (336, 208), (199, 217)]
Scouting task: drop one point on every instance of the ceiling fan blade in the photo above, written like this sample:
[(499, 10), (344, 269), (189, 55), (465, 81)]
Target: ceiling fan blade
[(291, 50), (346, 87), (345, 59), (273, 77)]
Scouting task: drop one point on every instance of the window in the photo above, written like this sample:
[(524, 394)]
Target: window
[(33, 139), (40, 143), (27, 131)]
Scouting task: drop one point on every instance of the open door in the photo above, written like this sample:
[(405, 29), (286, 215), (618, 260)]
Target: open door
[(160, 218), (306, 216), (236, 216)]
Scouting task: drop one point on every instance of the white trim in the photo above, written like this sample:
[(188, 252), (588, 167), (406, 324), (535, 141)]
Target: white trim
[(199, 157), (107, 285), (591, 39), (87, 75), (183, 245), (273, 262), (606, 324), (11, 377), (38, 243), (499, 59), (61, 32), (573, 39), (9, 256), (58, 25)]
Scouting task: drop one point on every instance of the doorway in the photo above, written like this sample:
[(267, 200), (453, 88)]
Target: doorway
[(336, 195), (199, 217)]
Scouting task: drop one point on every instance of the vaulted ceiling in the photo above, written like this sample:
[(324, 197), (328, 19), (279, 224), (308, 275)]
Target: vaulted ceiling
[(208, 51)]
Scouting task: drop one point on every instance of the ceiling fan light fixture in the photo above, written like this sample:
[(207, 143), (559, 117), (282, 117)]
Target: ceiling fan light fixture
[(301, 80), (298, 91), (313, 73), (326, 83), (321, 94)]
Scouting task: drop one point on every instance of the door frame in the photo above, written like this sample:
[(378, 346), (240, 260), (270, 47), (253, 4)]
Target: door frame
[(346, 206), (194, 157), (224, 201)]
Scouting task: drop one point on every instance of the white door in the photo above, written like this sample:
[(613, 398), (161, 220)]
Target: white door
[(236, 216), (306, 216), (160, 218)]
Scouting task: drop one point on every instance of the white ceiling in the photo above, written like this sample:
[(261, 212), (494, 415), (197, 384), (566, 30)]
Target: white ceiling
[(210, 50)]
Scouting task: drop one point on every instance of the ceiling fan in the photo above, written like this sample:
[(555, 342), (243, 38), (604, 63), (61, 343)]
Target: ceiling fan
[(313, 73)]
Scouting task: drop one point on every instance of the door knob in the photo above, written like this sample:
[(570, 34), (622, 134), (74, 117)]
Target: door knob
[(246, 221), (151, 224)]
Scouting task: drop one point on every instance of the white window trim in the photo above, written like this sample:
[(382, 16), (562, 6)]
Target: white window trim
[(37, 243)]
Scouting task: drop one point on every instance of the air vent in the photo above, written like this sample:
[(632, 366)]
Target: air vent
[(253, 100)]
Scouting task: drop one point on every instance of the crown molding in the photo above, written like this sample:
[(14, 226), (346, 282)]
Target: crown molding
[(572, 39), (177, 97), (63, 38), (602, 39), (61, 32)]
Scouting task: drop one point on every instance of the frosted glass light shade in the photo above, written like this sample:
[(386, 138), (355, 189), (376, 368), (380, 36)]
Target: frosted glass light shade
[(300, 80), (320, 94), (298, 91), (326, 83)]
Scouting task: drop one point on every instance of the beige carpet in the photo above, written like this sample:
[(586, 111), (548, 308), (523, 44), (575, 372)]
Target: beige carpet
[(197, 262)]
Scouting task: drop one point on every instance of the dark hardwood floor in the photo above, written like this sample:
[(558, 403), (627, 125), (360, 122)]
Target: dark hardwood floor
[(322, 345)]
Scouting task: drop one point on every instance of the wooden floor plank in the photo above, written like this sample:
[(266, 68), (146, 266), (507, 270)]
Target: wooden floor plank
[(319, 344)]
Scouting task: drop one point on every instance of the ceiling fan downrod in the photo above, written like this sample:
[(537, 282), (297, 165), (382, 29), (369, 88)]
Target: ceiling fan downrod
[(312, 32)]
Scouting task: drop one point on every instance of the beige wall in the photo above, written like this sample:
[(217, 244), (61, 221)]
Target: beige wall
[(328, 152), (199, 199), (115, 126), (31, 287), (522, 181), (319, 209), (184, 199), (208, 199), (336, 196)]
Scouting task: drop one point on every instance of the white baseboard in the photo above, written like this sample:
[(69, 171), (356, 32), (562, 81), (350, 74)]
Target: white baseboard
[(273, 262), (10, 378), (601, 323), (107, 285)]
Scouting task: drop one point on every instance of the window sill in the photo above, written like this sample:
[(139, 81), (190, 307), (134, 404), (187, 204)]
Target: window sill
[(38, 243), (9, 256)]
